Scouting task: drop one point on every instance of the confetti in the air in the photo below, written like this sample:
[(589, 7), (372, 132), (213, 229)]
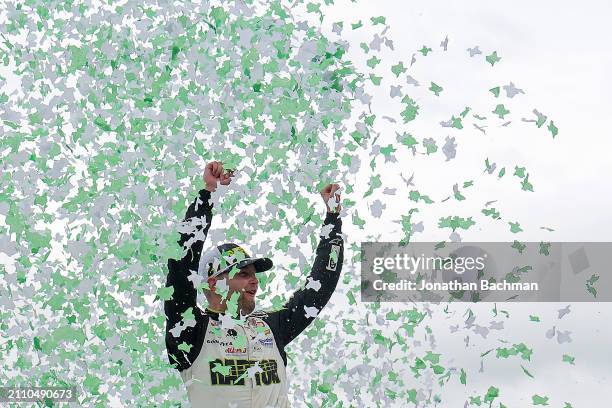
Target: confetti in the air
[(120, 105)]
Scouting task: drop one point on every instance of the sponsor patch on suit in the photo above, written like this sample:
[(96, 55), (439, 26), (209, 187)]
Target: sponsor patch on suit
[(267, 342), (331, 265)]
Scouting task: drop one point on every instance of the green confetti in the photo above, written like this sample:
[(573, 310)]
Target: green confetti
[(373, 62), (553, 129), (221, 369), (165, 293), (538, 400), (411, 111), (398, 69), (501, 111), (436, 89), (430, 145), (456, 123), (407, 139), (425, 50), (519, 171), (590, 285), (526, 185), (465, 112), (455, 222), (357, 25), (492, 393), (493, 58), (378, 20), (375, 79), (515, 227)]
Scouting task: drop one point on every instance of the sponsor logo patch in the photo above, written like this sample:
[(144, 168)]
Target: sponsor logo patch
[(255, 323), (232, 350), (267, 342), (333, 258), (237, 369)]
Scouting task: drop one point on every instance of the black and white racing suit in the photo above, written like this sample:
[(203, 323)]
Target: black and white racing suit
[(229, 364)]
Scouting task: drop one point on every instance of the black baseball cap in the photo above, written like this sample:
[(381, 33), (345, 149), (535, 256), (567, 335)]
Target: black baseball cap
[(223, 258)]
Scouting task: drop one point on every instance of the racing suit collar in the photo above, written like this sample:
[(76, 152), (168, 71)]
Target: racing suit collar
[(213, 314)]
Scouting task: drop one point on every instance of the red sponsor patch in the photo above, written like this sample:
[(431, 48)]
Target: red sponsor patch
[(234, 350)]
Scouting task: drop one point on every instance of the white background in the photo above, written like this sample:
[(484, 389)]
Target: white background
[(559, 53)]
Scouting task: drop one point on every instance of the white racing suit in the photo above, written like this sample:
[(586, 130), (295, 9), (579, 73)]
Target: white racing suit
[(242, 366)]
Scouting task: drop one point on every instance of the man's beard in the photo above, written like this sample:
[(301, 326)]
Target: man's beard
[(246, 306)]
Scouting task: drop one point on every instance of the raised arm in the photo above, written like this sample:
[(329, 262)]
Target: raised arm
[(307, 302), (180, 336)]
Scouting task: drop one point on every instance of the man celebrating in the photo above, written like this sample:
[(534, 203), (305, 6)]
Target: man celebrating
[(229, 355)]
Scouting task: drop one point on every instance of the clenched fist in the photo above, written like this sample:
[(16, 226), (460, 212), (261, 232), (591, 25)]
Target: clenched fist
[(331, 196), (214, 173)]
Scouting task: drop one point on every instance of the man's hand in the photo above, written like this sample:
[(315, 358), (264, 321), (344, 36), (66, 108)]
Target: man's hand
[(331, 196), (213, 173)]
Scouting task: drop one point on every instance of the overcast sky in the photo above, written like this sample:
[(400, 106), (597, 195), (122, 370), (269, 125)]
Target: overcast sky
[(558, 53)]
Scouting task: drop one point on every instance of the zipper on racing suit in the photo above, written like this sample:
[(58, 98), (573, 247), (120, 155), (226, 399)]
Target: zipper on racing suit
[(248, 349)]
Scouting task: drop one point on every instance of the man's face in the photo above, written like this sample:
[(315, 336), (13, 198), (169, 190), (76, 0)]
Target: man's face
[(246, 283)]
